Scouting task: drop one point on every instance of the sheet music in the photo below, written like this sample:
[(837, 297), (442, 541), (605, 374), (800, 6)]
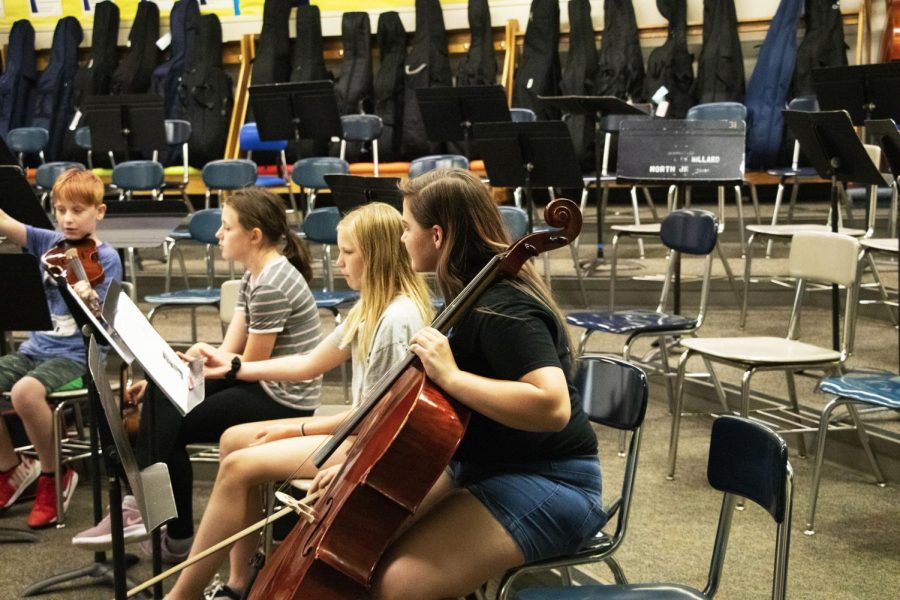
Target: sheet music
[(182, 384)]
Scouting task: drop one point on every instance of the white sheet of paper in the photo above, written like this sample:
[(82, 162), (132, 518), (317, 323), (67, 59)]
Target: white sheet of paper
[(46, 8), (183, 385)]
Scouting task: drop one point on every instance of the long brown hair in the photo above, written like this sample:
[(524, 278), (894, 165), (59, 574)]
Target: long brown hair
[(260, 208), (473, 232)]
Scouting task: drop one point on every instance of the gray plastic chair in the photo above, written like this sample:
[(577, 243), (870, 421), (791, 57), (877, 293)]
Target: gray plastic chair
[(178, 133), (424, 164), (46, 176), (227, 175), (362, 128), (28, 140), (83, 141), (138, 175), (309, 174)]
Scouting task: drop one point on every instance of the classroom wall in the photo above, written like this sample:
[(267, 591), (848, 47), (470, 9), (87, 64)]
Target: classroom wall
[(245, 16)]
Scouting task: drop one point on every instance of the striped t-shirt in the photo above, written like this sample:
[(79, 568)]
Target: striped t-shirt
[(279, 301)]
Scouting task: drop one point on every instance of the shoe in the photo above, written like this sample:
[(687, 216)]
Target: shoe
[(218, 589), (99, 537), (15, 481), (167, 556), (43, 513)]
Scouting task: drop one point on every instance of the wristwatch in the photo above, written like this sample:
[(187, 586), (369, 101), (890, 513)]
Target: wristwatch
[(231, 375)]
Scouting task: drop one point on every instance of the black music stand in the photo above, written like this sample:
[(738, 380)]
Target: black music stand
[(126, 125), (835, 151), (449, 112), (23, 307), (681, 153), (596, 107), (864, 91), (296, 111), (526, 155), (350, 191), (6, 155), (19, 200)]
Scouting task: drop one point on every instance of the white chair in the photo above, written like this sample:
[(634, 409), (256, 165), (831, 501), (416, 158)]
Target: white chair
[(818, 256)]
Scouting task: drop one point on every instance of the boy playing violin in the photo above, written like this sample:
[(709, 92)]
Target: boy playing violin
[(54, 360)]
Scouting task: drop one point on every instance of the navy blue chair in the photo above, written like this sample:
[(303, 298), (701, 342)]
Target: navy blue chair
[(202, 228), (309, 175), (138, 175), (613, 394), (28, 140), (686, 231), (320, 226), (363, 129), (227, 175), (746, 460), (424, 164), (878, 390)]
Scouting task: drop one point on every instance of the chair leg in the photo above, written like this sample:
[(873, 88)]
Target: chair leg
[(740, 210), (795, 405), (863, 435), (637, 217), (745, 390), (582, 342), (817, 469), (57, 432), (617, 571), (748, 257), (881, 289), (676, 413), (717, 385), (729, 274), (612, 272), (574, 251), (779, 195), (648, 198), (754, 197)]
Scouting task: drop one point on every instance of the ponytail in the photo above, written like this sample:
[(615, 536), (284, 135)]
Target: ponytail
[(297, 254)]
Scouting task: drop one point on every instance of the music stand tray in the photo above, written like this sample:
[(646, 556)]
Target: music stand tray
[(864, 91), (350, 191), (19, 200), (126, 124), (296, 111), (449, 112)]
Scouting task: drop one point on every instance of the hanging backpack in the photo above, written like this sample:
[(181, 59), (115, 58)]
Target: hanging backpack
[(308, 60), (18, 81), (768, 87), (720, 68), (823, 44), (208, 93), (539, 72), (479, 67), (427, 65), (273, 49), (388, 83), (136, 68), (184, 25), (353, 86), (54, 105), (671, 65), (578, 78), (620, 70)]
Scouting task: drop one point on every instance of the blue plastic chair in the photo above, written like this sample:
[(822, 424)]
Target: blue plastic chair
[(613, 394), (227, 175), (47, 175), (686, 231), (522, 115), (138, 175), (515, 221), (250, 143), (362, 128), (83, 141), (309, 174), (202, 227), (424, 164), (28, 140), (746, 460), (856, 389)]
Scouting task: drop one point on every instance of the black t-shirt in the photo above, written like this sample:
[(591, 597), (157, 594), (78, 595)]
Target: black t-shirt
[(507, 335)]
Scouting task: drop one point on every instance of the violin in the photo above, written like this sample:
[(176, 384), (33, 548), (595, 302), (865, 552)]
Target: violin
[(408, 431), (75, 260)]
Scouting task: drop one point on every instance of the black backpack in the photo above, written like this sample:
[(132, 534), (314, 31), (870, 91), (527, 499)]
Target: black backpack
[(136, 69), (54, 105), (18, 81), (480, 65), (720, 68), (353, 86), (578, 78), (427, 65), (620, 71), (822, 46), (95, 78), (671, 65), (208, 94), (767, 90), (184, 25), (388, 83), (539, 72)]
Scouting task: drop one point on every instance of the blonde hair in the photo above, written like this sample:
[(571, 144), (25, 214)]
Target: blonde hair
[(259, 208), (462, 205), (78, 185), (375, 230)]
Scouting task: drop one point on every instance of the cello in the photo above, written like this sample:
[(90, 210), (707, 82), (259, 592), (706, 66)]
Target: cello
[(407, 433)]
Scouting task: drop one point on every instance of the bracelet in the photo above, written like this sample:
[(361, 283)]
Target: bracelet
[(302, 429), (231, 375)]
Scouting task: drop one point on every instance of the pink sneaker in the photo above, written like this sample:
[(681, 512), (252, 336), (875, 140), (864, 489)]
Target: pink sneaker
[(15, 481), (99, 537), (167, 556), (43, 513)]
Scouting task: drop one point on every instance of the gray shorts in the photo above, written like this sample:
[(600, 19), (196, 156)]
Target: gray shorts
[(56, 374)]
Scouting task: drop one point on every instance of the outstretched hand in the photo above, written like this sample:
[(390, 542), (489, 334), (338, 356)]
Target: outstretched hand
[(433, 349)]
